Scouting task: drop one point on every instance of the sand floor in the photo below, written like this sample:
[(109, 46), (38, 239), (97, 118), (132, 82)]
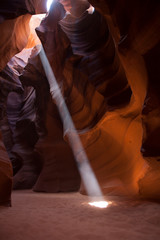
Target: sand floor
[(68, 216)]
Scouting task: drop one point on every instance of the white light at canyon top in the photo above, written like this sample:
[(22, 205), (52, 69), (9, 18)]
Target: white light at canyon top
[(49, 2), (90, 10)]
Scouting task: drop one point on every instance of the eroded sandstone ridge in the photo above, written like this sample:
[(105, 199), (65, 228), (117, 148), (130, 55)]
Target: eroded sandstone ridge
[(106, 63)]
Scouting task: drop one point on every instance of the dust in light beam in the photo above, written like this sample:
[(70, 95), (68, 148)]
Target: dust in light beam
[(86, 172), (49, 2)]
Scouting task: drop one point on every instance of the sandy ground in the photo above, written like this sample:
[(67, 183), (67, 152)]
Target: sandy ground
[(68, 216)]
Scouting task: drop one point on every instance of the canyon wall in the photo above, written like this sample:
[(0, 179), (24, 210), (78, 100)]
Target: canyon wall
[(106, 62)]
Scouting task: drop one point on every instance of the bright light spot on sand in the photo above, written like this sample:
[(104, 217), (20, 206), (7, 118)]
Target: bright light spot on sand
[(49, 2), (99, 204)]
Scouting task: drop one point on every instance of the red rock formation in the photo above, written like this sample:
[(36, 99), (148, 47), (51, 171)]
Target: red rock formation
[(135, 26), (5, 176), (83, 97), (14, 39), (15, 17), (8, 82), (97, 59)]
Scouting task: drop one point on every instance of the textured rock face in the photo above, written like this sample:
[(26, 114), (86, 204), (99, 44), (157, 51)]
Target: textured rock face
[(15, 17), (14, 26), (5, 176), (14, 39), (135, 25), (87, 98), (106, 64), (9, 83)]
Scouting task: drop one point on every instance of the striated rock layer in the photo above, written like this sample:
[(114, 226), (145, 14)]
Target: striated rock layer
[(5, 176), (106, 64), (14, 24), (135, 26), (88, 99), (15, 30)]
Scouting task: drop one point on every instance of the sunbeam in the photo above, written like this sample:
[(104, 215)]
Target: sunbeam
[(49, 2), (86, 172)]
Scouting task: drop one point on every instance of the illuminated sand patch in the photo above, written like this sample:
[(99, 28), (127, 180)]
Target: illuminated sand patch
[(99, 204)]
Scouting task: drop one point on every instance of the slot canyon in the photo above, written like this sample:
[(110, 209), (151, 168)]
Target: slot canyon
[(105, 57)]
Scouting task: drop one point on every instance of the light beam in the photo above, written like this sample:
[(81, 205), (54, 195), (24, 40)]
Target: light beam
[(49, 2), (86, 172)]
